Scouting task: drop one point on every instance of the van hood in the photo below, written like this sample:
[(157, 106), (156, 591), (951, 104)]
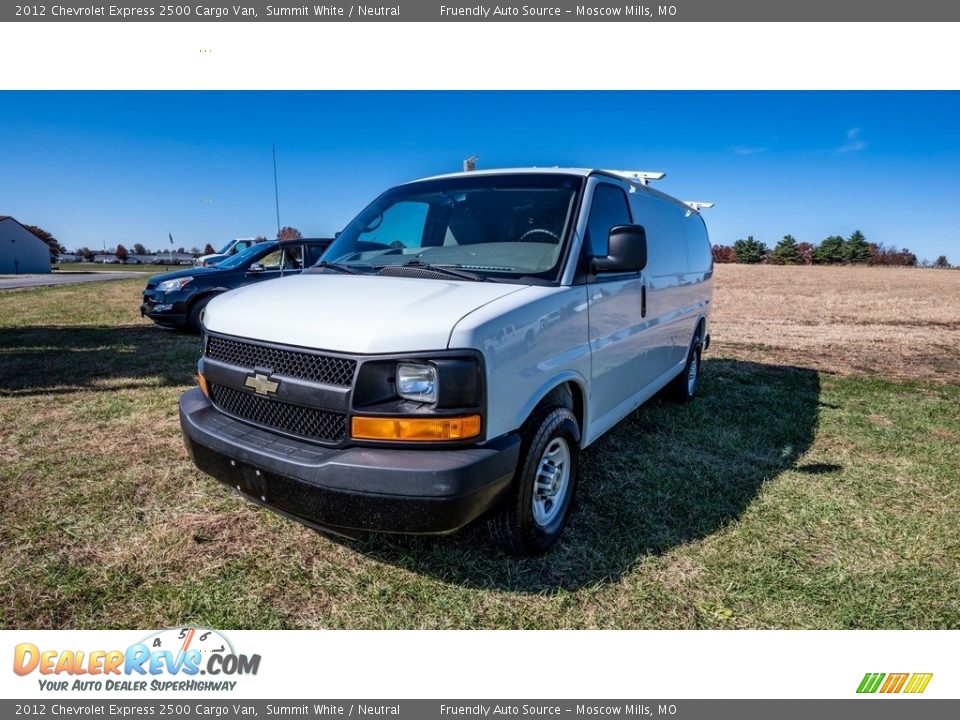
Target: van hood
[(351, 313)]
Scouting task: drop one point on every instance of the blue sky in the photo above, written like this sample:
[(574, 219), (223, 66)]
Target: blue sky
[(96, 168)]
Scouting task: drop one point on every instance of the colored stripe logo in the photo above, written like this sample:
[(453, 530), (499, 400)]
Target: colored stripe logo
[(914, 683)]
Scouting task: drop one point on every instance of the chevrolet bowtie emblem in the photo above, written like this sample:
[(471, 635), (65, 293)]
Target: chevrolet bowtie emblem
[(261, 384)]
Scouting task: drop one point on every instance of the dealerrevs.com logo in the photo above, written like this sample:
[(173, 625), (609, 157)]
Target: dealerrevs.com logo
[(182, 659)]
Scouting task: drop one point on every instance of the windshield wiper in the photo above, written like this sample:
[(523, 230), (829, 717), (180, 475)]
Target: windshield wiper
[(445, 270), (339, 267)]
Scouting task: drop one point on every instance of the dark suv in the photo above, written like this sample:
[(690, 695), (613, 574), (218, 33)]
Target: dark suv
[(177, 299)]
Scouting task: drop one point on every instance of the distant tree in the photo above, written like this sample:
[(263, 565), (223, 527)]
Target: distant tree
[(181, 250), (48, 238), (856, 249), (86, 253), (941, 262), (208, 249), (787, 252), (194, 250), (260, 239), (139, 249), (289, 233), (723, 254), (121, 253), (750, 251), (891, 256), (829, 251), (907, 258), (806, 251)]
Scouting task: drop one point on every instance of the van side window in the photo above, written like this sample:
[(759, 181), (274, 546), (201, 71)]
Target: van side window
[(609, 209)]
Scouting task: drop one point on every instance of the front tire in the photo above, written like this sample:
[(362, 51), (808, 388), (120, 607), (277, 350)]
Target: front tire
[(534, 515), (195, 316)]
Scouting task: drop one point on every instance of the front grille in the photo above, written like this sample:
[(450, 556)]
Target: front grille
[(324, 369), (326, 427)]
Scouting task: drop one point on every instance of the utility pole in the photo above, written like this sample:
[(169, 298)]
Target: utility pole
[(276, 190)]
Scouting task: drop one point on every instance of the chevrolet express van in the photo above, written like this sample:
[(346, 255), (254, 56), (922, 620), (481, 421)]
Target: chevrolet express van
[(456, 347)]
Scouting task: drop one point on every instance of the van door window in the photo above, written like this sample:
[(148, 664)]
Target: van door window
[(609, 209)]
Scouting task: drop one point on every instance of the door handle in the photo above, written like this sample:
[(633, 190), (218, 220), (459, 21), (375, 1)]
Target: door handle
[(643, 300)]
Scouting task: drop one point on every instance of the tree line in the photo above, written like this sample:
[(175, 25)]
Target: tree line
[(122, 253), (833, 250)]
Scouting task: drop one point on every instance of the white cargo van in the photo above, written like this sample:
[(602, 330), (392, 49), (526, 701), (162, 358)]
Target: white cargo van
[(457, 346)]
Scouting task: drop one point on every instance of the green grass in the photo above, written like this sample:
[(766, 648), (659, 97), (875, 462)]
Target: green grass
[(781, 498), (65, 268)]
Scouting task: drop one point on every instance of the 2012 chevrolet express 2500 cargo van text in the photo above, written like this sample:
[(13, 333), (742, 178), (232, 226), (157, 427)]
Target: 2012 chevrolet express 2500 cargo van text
[(457, 346)]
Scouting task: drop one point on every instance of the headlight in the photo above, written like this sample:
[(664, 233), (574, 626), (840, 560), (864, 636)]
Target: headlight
[(173, 285), (417, 382)]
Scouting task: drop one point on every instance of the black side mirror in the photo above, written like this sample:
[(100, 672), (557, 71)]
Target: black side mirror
[(626, 250)]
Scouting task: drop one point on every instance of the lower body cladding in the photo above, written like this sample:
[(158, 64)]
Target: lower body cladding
[(349, 490)]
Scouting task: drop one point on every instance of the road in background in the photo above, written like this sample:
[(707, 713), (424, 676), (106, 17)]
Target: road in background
[(11, 282)]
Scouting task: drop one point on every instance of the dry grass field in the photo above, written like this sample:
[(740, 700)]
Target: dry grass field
[(897, 323), (813, 484)]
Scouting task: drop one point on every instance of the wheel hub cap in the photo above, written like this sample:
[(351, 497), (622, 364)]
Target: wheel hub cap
[(552, 480)]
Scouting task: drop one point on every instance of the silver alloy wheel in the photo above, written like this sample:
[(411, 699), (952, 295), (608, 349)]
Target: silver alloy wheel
[(551, 483), (692, 373)]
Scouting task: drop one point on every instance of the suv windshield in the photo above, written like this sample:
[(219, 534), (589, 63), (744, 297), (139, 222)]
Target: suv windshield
[(255, 250), (499, 225)]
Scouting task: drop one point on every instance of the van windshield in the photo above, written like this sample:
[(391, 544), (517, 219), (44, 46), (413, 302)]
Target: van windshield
[(497, 225)]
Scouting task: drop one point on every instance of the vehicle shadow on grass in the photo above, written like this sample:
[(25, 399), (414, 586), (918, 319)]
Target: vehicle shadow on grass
[(44, 360), (666, 475)]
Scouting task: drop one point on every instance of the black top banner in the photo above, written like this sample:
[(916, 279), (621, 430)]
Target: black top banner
[(466, 11)]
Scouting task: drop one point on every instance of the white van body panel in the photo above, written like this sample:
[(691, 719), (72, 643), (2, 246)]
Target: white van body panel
[(351, 313), (532, 341), (533, 337)]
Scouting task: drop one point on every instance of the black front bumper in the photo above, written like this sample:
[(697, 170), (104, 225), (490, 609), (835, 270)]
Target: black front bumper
[(416, 491), (175, 317)]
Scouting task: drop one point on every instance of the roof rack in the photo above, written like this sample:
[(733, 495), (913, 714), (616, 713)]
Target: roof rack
[(697, 205), (641, 176)]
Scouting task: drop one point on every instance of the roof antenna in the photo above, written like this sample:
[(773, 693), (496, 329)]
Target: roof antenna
[(470, 164)]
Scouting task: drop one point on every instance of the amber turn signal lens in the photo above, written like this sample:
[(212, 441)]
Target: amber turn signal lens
[(420, 429), (203, 384)]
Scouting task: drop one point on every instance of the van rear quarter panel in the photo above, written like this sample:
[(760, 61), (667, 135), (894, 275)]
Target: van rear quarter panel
[(698, 281), (532, 341)]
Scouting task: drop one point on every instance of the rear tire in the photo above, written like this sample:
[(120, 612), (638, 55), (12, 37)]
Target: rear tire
[(683, 388), (195, 315), (534, 515)]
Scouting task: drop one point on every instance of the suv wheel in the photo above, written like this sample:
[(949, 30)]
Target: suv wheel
[(533, 516), (195, 316)]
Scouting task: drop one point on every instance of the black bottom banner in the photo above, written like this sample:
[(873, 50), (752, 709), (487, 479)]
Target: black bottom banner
[(868, 708)]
